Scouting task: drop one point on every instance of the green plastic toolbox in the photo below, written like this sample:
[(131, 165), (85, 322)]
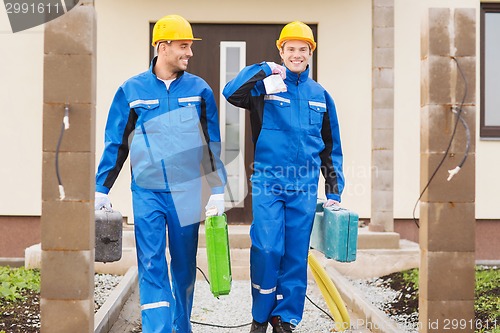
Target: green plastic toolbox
[(335, 233), (218, 256)]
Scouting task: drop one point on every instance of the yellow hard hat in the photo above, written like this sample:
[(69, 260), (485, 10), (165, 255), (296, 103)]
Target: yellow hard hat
[(298, 31), (172, 27)]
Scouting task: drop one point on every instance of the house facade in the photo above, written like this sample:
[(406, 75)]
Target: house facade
[(235, 34)]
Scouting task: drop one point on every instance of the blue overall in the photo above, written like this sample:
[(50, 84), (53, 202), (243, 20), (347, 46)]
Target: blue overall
[(296, 135), (174, 142), (154, 214)]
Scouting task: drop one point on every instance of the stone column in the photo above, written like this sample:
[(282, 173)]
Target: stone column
[(447, 209), (382, 205), (67, 297)]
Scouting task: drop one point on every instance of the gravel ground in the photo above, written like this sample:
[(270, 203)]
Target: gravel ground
[(104, 285), (374, 291), (234, 310)]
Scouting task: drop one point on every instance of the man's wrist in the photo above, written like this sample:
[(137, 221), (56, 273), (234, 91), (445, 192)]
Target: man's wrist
[(333, 196), (102, 189)]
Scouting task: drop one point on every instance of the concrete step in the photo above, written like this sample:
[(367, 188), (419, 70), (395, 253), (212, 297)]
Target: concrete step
[(239, 242), (239, 238), (379, 262), (377, 240), (240, 263), (33, 259)]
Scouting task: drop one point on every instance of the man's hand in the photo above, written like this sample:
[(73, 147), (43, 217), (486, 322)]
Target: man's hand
[(331, 202), (216, 201), (102, 201), (277, 69)]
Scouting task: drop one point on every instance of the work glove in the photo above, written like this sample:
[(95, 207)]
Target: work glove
[(215, 202), (277, 69), (331, 202), (102, 201)]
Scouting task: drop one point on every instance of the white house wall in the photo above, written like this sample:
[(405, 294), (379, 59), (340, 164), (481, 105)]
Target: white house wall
[(344, 63), (21, 70), (406, 106), (487, 166)]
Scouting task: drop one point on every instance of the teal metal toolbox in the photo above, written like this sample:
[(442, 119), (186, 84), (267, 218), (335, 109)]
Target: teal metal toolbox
[(335, 232)]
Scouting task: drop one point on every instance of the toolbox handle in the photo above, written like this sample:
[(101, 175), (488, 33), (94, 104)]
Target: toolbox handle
[(335, 208), (212, 211)]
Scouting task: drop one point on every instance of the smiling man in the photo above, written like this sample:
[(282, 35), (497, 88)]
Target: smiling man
[(168, 120), (296, 135)]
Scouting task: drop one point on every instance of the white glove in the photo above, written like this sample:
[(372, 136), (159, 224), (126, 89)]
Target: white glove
[(331, 202), (216, 201), (277, 69), (102, 201)]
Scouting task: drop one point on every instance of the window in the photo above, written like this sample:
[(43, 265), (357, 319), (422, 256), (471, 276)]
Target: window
[(232, 122), (490, 71)]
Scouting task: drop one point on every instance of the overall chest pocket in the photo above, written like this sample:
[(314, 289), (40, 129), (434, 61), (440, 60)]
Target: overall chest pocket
[(147, 111), (186, 117), (316, 112), (143, 107), (277, 113)]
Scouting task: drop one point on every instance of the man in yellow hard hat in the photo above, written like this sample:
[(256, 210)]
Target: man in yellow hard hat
[(296, 135), (167, 118)]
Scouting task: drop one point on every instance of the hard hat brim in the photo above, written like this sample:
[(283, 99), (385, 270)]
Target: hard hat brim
[(165, 40), (280, 42)]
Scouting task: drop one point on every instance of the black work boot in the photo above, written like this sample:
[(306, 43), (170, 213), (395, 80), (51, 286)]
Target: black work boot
[(258, 327), (279, 326)]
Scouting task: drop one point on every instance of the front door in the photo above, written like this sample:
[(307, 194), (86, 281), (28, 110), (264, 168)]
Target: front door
[(218, 57)]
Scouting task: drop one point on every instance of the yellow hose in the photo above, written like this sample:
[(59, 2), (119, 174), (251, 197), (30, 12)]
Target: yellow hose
[(331, 294), (334, 310)]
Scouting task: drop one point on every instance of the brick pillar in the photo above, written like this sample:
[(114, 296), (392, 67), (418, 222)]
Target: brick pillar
[(382, 205), (447, 209), (67, 297)]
